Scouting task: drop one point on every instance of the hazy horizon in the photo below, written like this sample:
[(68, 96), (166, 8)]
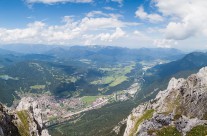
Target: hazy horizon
[(11, 46)]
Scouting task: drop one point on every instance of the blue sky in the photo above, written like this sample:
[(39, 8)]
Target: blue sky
[(20, 12), (127, 23)]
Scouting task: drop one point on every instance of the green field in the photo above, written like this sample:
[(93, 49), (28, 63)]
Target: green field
[(115, 76), (89, 99), (37, 87)]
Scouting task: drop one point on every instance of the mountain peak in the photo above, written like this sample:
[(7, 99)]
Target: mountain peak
[(181, 108)]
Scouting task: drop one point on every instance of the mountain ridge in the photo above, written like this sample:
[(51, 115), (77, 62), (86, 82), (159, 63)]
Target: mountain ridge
[(179, 110)]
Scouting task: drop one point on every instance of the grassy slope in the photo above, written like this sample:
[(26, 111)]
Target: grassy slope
[(147, 115), (166, 131), (198, 131), (23, 126)]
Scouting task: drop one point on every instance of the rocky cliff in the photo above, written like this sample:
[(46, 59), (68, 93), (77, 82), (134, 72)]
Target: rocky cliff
[(25, 120), (179, 110)]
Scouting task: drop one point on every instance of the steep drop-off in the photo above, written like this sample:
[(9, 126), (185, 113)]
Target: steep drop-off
[(179, 110)]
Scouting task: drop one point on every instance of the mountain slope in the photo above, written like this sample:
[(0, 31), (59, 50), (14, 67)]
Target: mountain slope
[(111, 55), (191, 61), (68, 71), (28, 48), (179, 110), (158, 76)]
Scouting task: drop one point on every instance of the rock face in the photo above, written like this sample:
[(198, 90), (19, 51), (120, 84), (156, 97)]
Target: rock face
[(25, 120), (178, 109), (30, 107), (7, 127)]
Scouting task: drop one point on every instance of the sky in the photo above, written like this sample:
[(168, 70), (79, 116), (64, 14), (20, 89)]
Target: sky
[(126, 23)]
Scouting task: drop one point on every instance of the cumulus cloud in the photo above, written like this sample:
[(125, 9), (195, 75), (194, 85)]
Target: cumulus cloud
[(140, 13), (188, 17), (110, 37), (105, 37), (70, 32), (57, 1), (164, 43)]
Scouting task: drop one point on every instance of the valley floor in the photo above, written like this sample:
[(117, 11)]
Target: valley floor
[(56, 111)]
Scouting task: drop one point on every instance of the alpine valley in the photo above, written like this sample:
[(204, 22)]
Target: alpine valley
[(67, 91), (103, 68)]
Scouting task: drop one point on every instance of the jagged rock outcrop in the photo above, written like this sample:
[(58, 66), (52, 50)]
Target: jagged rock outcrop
[(180, 109), (25, 120), (31, 107), (7, 126), (118, 129)]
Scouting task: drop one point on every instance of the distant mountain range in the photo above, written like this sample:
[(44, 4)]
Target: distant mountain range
[(115, 54), (158, 76), (28, 48), (91, 58), (192, 61), (91, 52), (67, 71)]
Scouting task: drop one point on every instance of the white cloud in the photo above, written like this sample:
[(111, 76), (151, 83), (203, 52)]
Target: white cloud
[(119, 1), (71, 32), (57, 1), (140, 35), (96, 13), (110, 37), (140, 13), (102, 14), (164, 43), (188, 17), (179, 31), (104, 37), (100, 23), (136, 32), (24, 35), (109, 8)]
